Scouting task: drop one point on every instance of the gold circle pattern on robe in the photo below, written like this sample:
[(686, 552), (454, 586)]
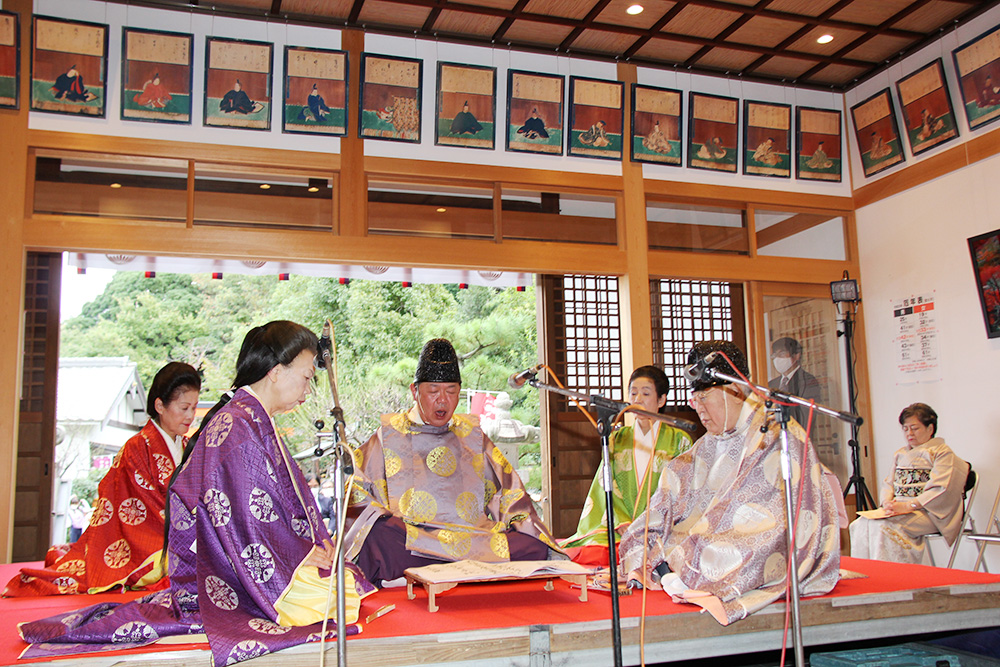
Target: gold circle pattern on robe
[(441, 461), (466, 506), (501, 460), (393, 464), (417, 506), (499, 545), (456, 543), (509, 497), (491, 490), (478, 466)]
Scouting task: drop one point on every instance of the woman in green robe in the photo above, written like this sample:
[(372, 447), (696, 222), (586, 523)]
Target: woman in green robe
[(639, 454)]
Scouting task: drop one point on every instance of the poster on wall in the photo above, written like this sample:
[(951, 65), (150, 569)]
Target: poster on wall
[(535, 112), (978, 65), (156, 76), (596, 118), (817, 149), (713, 132), (916, 339), (391, 91), (656, 125), (985, 250), (466, 106), (927, 111), (314, 98), (238, 83), (877, 133), (767, 139), (10, 60), (69, 66)]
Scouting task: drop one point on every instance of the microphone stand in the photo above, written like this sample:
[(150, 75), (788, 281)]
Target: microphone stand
[(775, 404), (606, 410), (863, 497)]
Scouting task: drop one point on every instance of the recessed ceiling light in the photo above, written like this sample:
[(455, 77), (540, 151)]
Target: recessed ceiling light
[(312, 189), (116, 185), (634, 9), (824, 39), (441, 210), (265, 186)]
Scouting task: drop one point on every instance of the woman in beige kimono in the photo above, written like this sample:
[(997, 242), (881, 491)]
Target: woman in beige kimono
[(921, 495)]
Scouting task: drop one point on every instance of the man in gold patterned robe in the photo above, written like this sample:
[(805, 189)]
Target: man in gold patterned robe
[(432, 487)]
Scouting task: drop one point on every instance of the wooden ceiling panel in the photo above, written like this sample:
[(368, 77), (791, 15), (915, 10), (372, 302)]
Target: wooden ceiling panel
[(667, 50), (834, 74), (495, 4), (879, 49), (467, 23), (602, 41), (702, 21), (930, 17), (377, 12), (787, 68), (570, 9), (841, 38), (314, 7), (254, 5), (727, 60), (537, 34), (804, 7), (745, 3), (764, 31), (653, 10), (872, 13)]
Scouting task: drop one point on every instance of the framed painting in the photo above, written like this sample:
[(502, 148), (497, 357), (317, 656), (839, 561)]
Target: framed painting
[(315, 91), (927, 111), (10, 60), (818, 155), (156, 76), (238, 83), (767, 139), (535, 112), (978, 65), (713, 132), (656, 125), (391, 91), (69, 67), (596, 118), (466, 106), (877, 133), (985, 250)]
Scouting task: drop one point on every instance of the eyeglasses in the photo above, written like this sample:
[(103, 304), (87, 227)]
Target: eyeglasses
[(699, 397), (913, 428)]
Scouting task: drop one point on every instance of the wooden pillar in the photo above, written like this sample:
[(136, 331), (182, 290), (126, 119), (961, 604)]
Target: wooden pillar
[(633, 287), (353, 197), (14, 130)]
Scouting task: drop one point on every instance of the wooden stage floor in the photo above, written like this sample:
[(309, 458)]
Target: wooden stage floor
[(521, 624)]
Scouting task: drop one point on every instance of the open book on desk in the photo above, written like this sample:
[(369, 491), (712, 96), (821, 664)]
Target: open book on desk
[(477, 570), (877, 513)]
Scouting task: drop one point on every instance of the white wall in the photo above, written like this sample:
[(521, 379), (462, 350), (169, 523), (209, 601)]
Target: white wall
[(916, 243)]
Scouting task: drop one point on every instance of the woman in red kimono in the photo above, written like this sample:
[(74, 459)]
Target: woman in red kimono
[(121, 546)]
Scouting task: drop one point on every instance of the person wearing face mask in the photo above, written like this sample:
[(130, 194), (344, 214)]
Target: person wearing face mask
[(715, 531), (121, 546), (921, 495), (638, 455), (786, 355), (433, 488)]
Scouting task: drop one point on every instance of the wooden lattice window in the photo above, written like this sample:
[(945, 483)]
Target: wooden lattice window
[(685, 312), (588, 335), (36, 316)]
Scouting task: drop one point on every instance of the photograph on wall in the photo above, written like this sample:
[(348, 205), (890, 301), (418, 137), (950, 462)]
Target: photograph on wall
[(656, 125), (927, 111), (69, 67), (817, 150), (535, 112), (978, 65), (156, 76), (713, 129), (315, 91), (985, 250), (877, 133), (466, 106), (596, 118), (390, 98), (767, 139), (238, 83), (10, 60)]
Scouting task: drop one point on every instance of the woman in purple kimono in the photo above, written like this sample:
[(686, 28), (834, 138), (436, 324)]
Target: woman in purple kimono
[(247, 549)]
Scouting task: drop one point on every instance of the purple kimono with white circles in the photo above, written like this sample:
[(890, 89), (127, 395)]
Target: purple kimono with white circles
[(242, 520)]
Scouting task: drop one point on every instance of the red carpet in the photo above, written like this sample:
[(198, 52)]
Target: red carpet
[(480, 606)]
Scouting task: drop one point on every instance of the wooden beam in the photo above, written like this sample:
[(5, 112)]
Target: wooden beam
[(790, 227)]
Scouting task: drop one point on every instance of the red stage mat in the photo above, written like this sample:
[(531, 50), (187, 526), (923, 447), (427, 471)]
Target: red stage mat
[(483, 606)]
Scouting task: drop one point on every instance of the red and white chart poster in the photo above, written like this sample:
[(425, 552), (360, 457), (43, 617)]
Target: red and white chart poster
[(916, 340)]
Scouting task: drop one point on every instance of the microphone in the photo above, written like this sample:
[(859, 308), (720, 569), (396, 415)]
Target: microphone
[(325, 346), (518, 380), (695, 371)]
